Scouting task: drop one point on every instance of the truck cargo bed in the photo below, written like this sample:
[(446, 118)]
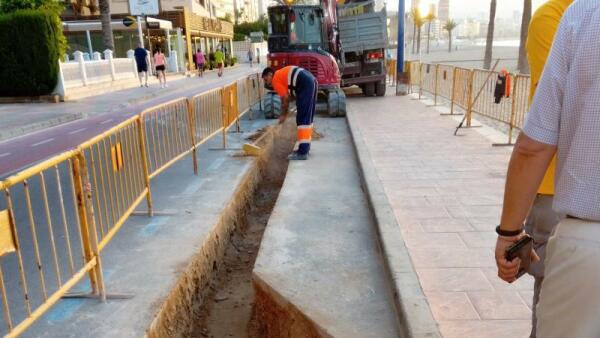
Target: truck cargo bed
[(363, 32)]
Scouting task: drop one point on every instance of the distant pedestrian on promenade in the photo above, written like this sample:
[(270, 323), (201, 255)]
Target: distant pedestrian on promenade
[(220, 61), (301, 84), (200, 61), (250, 56), (542, 220), (563, 120), (141, 61), (159, 63)]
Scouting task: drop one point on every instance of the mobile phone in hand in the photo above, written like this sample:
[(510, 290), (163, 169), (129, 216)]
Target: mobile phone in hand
[(521, 249)]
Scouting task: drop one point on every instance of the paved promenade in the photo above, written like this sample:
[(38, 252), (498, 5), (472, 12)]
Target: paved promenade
[(446, 192)]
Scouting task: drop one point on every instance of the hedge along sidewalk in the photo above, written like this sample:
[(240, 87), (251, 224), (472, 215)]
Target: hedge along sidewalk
[(413, 310)]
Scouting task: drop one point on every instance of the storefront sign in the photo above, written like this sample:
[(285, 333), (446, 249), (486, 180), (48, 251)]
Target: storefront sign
[(143, 7)]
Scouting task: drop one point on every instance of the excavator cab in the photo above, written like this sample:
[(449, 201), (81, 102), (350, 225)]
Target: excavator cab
[(299, 36)]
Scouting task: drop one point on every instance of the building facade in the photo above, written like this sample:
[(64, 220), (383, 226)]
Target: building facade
[(444, 10), (182, 26)]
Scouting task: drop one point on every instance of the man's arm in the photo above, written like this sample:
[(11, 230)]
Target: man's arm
[(533, 151), (285, 105)]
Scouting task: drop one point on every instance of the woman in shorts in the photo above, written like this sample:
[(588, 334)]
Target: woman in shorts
[(159, 63), (200, 61)]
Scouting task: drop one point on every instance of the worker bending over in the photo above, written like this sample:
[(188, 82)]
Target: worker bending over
[(300, 84)]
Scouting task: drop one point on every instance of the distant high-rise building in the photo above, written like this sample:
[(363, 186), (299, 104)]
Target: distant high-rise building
[(415, 4), (444, 10)]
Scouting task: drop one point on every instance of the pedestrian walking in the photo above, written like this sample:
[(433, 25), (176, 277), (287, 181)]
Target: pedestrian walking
[(159, 64), (200, 61), (141, 61), (542, 220), (301, 84), (220, 61), (563, 120), (250, 56)]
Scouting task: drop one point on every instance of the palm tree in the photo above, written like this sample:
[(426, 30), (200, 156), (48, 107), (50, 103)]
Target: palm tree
[(487, 60), (449, 26), (416, 17), (429, 19), (107, 34), (523, 64)]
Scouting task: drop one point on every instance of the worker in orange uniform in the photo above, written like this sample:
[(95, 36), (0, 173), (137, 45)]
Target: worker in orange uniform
[(299, 83), (542, 220)]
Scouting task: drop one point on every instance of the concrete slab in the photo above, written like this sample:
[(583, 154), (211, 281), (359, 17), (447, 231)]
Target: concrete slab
[(164, 261), (319, 271), (445, 195)]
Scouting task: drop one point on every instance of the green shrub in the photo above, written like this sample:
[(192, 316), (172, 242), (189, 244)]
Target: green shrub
[(234, 60), (33, 42)]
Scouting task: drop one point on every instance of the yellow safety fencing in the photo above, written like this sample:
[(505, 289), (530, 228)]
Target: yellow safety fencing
[(473, 90), (85, 196)]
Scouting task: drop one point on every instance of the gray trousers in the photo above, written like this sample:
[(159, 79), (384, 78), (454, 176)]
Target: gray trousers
[(540, 224)]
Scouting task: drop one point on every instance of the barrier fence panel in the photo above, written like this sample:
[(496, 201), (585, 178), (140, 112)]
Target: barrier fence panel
[(253, 89), (207, 111), (168, 134), (230, 109), (428, 74), (462, 88), (488, 104), (444, 81), (117, 177), (522, 85), (243, 102), (47, 244), (414, 75)]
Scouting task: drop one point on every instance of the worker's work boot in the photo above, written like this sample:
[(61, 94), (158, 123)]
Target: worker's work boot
[(296, 156)]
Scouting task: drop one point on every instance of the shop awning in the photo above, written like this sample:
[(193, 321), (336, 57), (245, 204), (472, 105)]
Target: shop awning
[(96, 25)]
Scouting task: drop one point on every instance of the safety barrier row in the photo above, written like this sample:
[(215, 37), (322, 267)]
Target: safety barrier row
[(475, 91), (85, 196)]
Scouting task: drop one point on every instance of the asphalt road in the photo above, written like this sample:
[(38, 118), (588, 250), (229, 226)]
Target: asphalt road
[(18, 153)]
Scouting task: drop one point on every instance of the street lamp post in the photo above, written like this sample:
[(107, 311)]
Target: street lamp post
[(401, 77)]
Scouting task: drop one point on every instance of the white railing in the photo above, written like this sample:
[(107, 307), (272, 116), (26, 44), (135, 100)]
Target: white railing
[(81, 73)]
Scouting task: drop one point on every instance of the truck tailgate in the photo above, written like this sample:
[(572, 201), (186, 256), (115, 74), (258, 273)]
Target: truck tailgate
[(363, 32)]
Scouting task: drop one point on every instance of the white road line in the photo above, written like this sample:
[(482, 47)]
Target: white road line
[(105, 122), (77, 131), (4, 155), (42, 142)]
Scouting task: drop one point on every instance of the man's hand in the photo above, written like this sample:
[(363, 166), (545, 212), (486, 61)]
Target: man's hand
[(508, 271), (282, 118)]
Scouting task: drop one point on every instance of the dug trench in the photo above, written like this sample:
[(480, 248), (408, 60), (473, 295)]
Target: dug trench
[(214, 296)]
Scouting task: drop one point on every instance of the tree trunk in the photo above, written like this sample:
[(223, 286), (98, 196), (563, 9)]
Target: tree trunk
[(487, 60), (449, 41), (414, 37), (523, 64), (107, 34), (428, 36), (419, 40)]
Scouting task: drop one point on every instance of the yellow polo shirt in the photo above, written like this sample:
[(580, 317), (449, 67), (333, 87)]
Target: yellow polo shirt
[(542, 28)]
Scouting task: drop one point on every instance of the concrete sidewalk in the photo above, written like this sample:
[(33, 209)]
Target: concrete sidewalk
[(23, 118), (446, 195)]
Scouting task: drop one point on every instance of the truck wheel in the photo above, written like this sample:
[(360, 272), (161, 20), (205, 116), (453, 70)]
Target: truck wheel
[(380, 89), (272, 106), (369, 89)]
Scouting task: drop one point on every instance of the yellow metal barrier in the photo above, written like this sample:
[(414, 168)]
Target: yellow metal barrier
[(474, 91), (117, 190), (86, 195), (167, 129), (49, 265)]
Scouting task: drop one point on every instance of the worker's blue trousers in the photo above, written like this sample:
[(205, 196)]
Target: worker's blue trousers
[(306, 100)]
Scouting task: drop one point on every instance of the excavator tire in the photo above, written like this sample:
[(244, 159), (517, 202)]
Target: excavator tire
[(272, 106)]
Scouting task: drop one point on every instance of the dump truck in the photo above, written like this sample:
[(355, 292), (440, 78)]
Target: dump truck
[(339, 51)]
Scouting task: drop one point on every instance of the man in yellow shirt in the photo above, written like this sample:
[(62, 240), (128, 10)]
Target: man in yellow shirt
[(542, 220)]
